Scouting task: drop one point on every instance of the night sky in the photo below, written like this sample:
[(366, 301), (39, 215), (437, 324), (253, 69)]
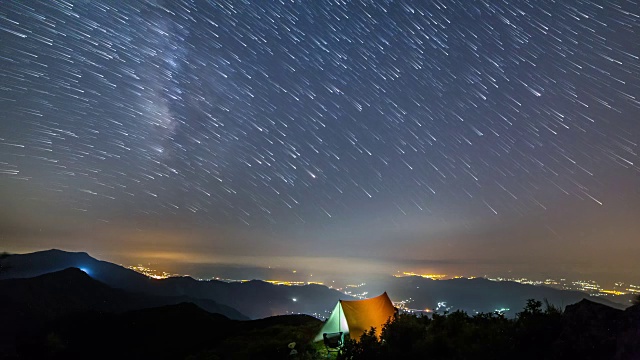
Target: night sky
[(469, 136)]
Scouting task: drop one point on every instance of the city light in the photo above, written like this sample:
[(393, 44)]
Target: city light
[(154, 274), (427, 276)]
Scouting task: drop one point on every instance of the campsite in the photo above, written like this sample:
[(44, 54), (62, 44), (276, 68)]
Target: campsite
[(355, 317)]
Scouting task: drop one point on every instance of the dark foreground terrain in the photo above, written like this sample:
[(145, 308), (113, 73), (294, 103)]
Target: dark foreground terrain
[(585, 330), (68, 314), (181, 331)]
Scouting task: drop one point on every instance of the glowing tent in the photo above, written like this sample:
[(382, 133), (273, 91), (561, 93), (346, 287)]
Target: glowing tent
[(353, 317)]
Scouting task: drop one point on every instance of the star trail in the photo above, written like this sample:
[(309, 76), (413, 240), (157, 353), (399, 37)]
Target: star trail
[(473, 131)]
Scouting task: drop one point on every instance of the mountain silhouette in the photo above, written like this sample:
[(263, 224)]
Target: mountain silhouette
[(255, 299), (27, 304), (258, 299), (71, 290), (47, 261)]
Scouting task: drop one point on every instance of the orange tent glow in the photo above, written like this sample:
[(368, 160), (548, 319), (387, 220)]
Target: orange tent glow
[(354, 317)]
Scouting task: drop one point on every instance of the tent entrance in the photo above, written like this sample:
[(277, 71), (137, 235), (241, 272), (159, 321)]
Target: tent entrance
[(336, 323)]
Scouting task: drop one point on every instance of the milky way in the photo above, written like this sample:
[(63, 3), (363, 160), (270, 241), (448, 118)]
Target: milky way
[(285, 116)]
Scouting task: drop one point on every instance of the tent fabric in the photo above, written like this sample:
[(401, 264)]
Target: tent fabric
[(363, 314), (335, 323), (354, 317)]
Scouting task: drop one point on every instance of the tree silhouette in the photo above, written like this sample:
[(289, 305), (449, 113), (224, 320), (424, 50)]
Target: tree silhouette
[(539, 331)]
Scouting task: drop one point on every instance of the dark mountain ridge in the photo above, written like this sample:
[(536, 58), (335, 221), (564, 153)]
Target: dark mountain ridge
[(47, 261), (72, 290), (273, 299), (27, 305)]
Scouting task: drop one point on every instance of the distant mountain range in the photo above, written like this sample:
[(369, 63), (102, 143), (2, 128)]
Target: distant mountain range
[(255, 299), (476, 295), (71, 290), (258, 299)]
